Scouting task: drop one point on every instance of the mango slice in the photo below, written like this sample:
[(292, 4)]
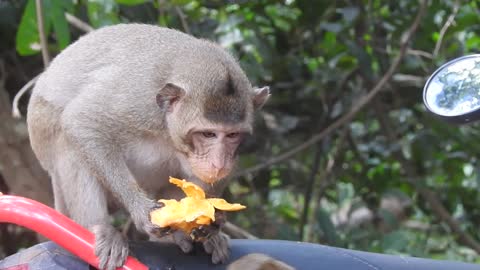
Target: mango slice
[(221, 204), (190, 189), (192, 211)]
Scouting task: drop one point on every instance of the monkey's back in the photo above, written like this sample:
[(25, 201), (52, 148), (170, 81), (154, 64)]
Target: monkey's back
[(116, 55)]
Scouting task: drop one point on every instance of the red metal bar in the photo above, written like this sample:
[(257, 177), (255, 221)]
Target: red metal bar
[(55, 226)]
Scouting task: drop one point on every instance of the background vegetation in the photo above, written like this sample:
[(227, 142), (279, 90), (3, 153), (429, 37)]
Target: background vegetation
[(344, 154)]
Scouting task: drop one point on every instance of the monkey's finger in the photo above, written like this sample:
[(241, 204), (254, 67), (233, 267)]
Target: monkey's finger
[(208, 246), (160, 231), (183, 241), (102, 250), (156, 231), (111, 247), (220, 255), (118, 252), (220, 218), (124, 255), (103, 255), (207, 230), (221, 250)]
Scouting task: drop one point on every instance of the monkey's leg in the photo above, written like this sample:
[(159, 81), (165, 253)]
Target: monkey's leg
[(59, 200), (85, 201)]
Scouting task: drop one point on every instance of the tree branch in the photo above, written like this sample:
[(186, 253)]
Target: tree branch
[(420, 53), (41, 33), (183, 19), (85, 27), (326, 176), (359, 106), (237, 232), (161, 9), (309, 189), (441, 212), (445, 27)]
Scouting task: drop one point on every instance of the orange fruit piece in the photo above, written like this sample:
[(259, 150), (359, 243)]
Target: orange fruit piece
[(221, 204), (192, 211), (190, 189)]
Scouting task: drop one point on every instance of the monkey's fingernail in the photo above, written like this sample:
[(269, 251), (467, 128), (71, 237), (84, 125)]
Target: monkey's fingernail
[(158, 205), (161, 231), (166, 230)]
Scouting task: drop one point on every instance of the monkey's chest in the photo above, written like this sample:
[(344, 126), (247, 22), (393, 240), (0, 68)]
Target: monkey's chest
[(151, 164)]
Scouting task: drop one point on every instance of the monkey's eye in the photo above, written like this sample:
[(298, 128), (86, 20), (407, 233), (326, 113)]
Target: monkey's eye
[(208, 134), (233, 135)]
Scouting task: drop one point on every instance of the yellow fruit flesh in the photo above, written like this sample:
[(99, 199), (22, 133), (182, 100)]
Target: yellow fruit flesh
[(192, 211), (221, 204)]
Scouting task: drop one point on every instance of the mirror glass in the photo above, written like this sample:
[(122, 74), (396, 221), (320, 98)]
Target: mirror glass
[(454, 89)]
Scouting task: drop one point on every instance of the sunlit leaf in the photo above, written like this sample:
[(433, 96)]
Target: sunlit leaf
[(132, 2), (27, 39), (56, 12)]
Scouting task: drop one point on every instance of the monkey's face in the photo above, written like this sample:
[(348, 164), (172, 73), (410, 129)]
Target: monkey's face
[(207, 126), (212, 154)]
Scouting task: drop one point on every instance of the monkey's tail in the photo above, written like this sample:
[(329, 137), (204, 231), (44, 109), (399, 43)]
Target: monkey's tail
[(15, 111)]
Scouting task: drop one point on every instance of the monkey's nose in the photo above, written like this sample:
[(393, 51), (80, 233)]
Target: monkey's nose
[(218, 163), (216, 173)]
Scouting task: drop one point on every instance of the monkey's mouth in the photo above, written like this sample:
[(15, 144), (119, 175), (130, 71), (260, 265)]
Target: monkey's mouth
[(211, 176)]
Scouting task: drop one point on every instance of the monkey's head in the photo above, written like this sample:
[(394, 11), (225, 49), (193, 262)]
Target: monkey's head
[(207, 123)]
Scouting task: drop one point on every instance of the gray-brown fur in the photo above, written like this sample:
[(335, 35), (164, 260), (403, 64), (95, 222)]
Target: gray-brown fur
[(227, 102), (258, 261), (104, 125)]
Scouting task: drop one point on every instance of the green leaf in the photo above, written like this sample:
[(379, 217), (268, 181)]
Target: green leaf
[(27, 39), (473, 43), (180, 2), (395, 241), (131, 2), (57, 18), (102, 13), (327, 227)]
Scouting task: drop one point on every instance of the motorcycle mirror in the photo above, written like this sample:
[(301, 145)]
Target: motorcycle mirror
[(453, 90)]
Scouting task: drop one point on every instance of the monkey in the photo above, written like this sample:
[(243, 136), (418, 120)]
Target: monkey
[(126, 106), (258, 261)]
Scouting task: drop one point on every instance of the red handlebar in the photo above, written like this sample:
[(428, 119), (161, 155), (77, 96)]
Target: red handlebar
[(55, 226)]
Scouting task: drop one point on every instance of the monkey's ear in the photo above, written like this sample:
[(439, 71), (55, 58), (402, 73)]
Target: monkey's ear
[(169, 95), (260, 96)]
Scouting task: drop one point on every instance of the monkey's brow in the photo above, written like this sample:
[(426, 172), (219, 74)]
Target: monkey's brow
[(223, 116), (225, 109)]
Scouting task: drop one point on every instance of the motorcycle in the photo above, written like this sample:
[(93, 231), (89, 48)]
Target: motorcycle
[(452, 93)]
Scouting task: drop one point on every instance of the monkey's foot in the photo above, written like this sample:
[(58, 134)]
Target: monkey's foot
[(217, 245), (111, 247)]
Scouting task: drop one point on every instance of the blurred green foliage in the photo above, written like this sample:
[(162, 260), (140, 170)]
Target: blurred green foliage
[(320, 57)]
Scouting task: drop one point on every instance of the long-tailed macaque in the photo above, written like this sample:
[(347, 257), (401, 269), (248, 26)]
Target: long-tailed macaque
[(127, 106)]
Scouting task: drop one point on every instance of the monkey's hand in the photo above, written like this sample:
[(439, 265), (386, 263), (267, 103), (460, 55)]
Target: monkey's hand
[(216, 243), (111, 247), (141, 219)]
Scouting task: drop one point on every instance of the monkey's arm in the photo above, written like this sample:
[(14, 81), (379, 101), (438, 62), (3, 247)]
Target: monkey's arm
[(97, 168), (105, 161)]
